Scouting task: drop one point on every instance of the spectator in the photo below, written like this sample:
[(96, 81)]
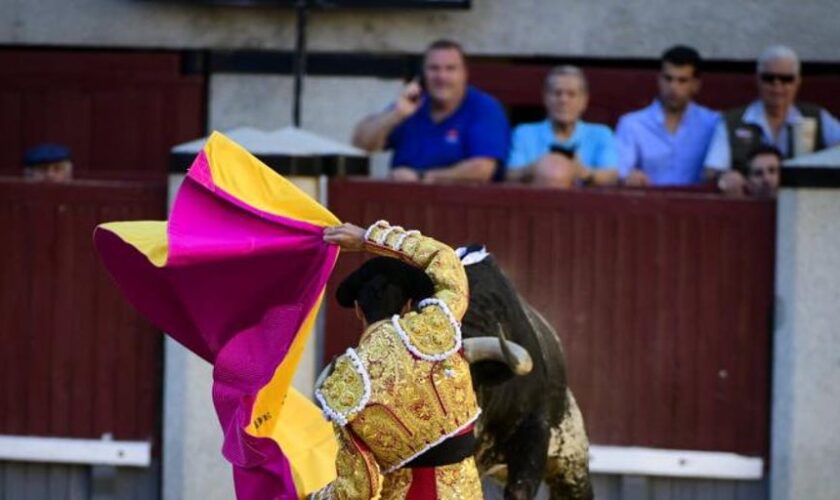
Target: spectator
[(764, 169), (449, 131), (765, 166), (48, 162), (563, 150), (775, 118), (666, 142)]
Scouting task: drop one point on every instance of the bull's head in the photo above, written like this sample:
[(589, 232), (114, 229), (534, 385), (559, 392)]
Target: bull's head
[(495, 308)]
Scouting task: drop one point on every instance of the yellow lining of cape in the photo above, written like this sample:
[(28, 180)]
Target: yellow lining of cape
[(258, 185), (300, 429), (147, 236), (250, 181)]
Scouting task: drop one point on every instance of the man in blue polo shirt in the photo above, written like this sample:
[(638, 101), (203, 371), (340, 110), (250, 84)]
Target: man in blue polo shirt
[(665, 143), (448, 132), (563, 150)]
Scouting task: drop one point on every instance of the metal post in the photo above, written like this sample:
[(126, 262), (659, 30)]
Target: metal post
[(302, 7)]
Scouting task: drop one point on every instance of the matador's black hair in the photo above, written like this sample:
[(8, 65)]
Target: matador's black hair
[(382, 286)]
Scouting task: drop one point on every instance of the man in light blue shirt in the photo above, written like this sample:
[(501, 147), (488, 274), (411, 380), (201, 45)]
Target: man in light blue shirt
[(665, 143), (563, 150), (776, 118)]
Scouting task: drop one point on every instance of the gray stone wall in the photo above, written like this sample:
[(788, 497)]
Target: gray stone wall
[(193, 465), (611, 28), (331, 106), (806, 395), (49, 481)]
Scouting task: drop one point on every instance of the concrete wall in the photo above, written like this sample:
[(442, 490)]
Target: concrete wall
[(806, 395), (193, 465), (50, 481), (331, 105), (611, 28)]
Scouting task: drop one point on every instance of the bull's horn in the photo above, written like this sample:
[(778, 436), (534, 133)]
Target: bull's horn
[(490, 349)]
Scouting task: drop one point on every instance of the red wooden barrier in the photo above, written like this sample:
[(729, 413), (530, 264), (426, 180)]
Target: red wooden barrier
[(76, 360), (663, 299), (119, 112)]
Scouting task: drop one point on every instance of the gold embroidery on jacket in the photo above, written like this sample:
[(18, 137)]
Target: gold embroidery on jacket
[(344, 389), (430, 332), (414, 403), (357, 473), (458, 481), (396, 484)]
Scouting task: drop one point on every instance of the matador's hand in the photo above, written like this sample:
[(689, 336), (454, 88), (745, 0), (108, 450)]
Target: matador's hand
[(348, 236)]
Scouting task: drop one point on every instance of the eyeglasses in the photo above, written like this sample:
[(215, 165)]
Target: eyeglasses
[(773, 77)]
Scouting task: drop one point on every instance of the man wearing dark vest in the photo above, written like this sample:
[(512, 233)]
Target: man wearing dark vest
[(794, 128)]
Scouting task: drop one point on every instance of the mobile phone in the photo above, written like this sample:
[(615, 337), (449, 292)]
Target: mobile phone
[(419, 76), (568, 152)]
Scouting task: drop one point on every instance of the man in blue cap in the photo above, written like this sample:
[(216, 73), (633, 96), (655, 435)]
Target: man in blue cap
[(48, 162)]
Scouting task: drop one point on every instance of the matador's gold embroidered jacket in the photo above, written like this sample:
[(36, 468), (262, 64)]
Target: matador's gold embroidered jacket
[(406, 387)]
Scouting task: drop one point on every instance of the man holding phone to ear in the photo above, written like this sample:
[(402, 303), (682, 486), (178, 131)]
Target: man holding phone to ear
[(447, 132)]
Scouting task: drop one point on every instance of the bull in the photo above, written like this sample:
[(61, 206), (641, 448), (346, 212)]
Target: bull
[(531, 428)]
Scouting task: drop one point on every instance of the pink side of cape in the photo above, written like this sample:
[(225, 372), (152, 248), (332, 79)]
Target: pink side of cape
[(236, 288)]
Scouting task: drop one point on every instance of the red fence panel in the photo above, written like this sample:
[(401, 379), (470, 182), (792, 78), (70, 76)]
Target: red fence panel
[(119, 112), (76, 361), (663, 299)]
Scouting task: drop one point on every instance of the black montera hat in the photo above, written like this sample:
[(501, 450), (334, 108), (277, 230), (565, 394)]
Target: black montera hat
[(384, 271)]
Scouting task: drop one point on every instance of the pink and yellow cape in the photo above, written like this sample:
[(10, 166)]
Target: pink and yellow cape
[(237, 275)]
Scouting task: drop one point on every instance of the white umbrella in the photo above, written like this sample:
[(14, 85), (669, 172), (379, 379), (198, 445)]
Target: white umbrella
[(289, 150)]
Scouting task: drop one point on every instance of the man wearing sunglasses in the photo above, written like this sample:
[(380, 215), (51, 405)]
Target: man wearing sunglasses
[(665, 143), (794, 128)]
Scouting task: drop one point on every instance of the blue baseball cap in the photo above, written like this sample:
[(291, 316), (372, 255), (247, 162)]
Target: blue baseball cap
[(45, 153)]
